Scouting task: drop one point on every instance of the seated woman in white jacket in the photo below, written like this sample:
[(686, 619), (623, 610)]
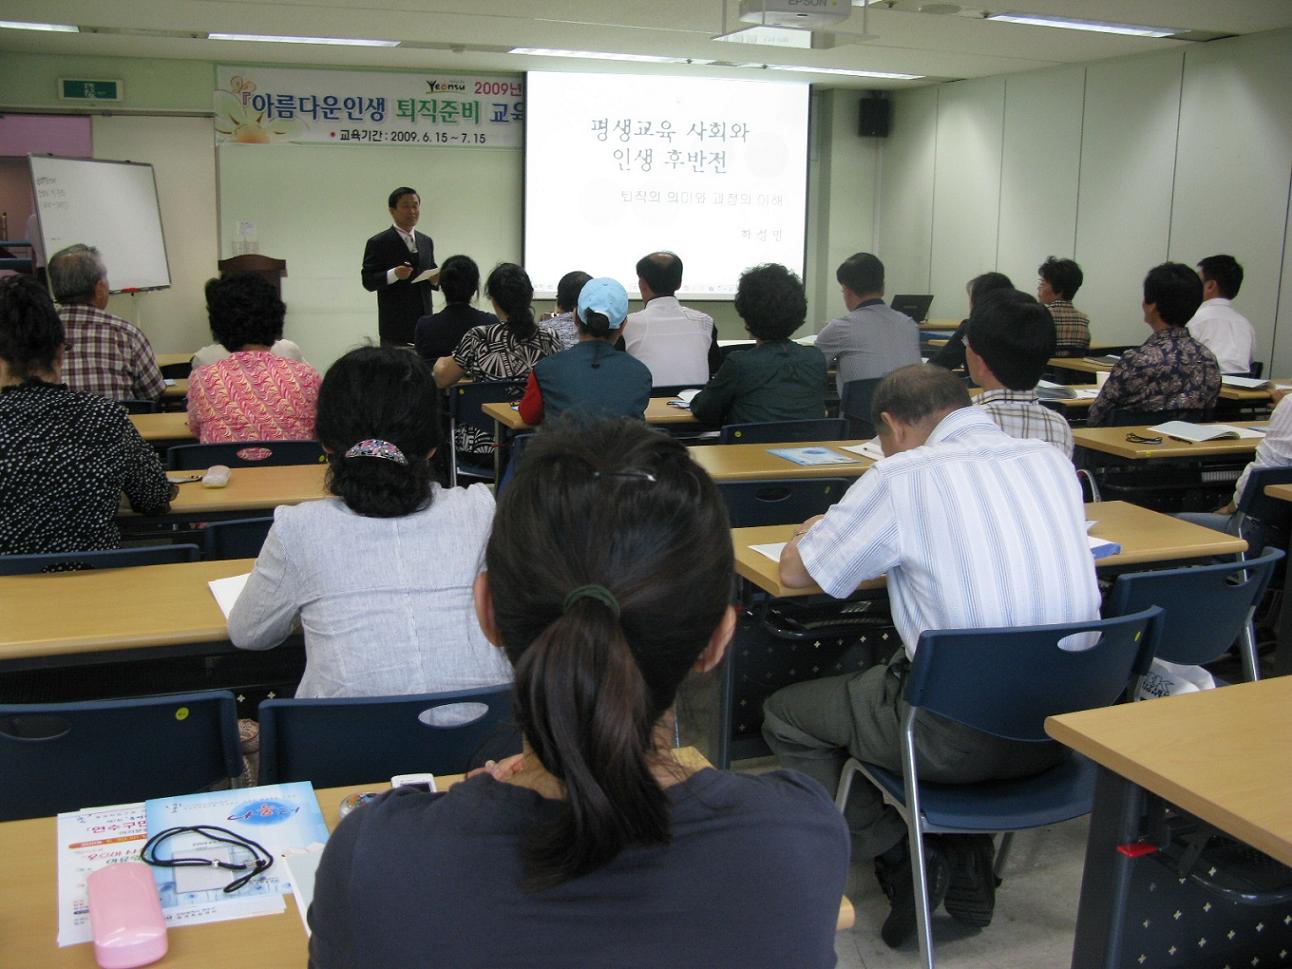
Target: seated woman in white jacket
[(380, 576)]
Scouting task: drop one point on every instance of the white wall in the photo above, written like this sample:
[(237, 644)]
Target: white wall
[(1120, 164), (181, 153)]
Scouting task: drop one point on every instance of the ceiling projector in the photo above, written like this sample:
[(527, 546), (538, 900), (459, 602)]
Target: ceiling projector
[(806, 14)]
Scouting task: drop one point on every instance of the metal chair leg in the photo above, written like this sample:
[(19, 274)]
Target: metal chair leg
[(1247, 649), (1002, 853)]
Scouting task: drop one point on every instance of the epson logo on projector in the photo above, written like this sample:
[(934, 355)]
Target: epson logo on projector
[(804, 14)]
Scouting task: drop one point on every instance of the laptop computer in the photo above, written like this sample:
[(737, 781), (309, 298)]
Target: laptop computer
[(916, 307)]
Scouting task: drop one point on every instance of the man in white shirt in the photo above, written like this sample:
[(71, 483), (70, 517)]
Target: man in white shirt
[(974, 529), (1217, 325), (677, 343), (873, 339), (1008, 340)]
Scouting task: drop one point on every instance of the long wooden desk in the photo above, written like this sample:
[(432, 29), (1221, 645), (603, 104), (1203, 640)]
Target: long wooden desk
[(173, 359), (168, 426), (658, 413), (177, 388), (73, 613), (1112, 440), (29, 916), (249, 490), (1220, 755), (755, 462), (1145, 537)]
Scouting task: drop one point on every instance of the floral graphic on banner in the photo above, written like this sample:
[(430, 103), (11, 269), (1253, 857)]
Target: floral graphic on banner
[(237, 121)]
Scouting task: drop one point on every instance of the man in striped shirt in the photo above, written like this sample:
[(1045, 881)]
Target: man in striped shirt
[(1010, 336), (973, 529)]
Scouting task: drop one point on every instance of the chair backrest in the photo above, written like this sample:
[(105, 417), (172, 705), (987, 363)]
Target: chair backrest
[(854, 404), (1258, 368), (1130, 416), (1089, 487), (139, 406), (112, 558), (1254, 504), (470, 431), (751, 503), (244, 454), (782, 432), (240, 538), (65, 756), (1204, 607), (1007, 681), (355, 740), (515, 454)]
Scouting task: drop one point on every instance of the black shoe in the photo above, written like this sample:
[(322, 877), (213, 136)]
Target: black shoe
[(899, 885), (971, 898)]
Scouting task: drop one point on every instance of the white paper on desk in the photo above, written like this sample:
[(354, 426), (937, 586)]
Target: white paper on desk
[(226, 591), (772, 550), (94, 838), (88, 840), (425, 275), (302, 868), (688, 395), (1086, 393), (871, 449)]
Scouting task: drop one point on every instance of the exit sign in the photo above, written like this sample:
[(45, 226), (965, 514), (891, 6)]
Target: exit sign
[(75, 89)]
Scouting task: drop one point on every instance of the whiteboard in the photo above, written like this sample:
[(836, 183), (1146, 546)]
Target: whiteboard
[(111, 205)]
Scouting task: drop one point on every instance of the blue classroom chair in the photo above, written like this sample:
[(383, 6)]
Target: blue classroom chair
[(243, 454), (112, 558), (64, 756), (854, 404), (465, 401), (1205, 608), (1004, 682), (783, 432), (785, 502), (240, 538), (354, 740)]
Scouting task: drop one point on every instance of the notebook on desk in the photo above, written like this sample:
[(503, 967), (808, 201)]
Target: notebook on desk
[(1197, 433)]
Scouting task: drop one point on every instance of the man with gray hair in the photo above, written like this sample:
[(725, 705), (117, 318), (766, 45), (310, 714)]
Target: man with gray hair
[(105, 354), (974, 529)]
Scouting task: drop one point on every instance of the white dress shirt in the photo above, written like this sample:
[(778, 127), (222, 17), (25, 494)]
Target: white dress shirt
[(974, 529), (672, 340), (1275, 448), (410, 240), (1226, 333)]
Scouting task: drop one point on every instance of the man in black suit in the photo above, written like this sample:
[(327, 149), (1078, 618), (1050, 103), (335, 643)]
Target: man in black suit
[(391, 260)]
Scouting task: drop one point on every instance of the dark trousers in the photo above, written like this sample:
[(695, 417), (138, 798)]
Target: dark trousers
[(815, 726)]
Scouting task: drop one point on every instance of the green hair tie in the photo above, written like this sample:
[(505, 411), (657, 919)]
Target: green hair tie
[(598, 592)]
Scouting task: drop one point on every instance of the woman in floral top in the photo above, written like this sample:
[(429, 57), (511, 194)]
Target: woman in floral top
[(252, 395)]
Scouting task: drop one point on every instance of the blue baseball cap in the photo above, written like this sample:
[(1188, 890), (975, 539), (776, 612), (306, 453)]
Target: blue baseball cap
[(605, 296)]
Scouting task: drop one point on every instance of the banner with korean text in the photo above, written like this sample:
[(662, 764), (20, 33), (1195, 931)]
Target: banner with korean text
[(256, 105)]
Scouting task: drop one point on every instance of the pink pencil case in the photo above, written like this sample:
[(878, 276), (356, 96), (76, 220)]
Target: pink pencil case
[(126, 916)]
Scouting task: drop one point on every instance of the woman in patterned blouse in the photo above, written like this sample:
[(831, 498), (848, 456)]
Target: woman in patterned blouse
[(506, 349), (252, 395), (65, 456)]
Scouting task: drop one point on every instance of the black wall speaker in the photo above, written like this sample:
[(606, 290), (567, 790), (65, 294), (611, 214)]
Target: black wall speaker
[(875, 116)]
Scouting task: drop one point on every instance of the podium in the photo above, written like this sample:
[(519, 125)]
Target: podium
[(272, 269)]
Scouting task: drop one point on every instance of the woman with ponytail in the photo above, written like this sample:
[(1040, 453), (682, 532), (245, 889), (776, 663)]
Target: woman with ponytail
[(380, 576), (509, 348), (609, 579), (66, 457), (591, 377)]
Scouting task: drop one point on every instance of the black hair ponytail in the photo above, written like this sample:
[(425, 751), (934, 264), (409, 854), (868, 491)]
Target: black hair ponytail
[(603, 634)]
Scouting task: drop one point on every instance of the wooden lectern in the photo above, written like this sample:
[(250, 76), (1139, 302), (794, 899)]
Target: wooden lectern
[(272, 269)]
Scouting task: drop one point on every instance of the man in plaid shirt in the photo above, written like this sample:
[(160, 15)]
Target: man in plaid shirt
[(104, 353), (1009, 338), (1058, 282)]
